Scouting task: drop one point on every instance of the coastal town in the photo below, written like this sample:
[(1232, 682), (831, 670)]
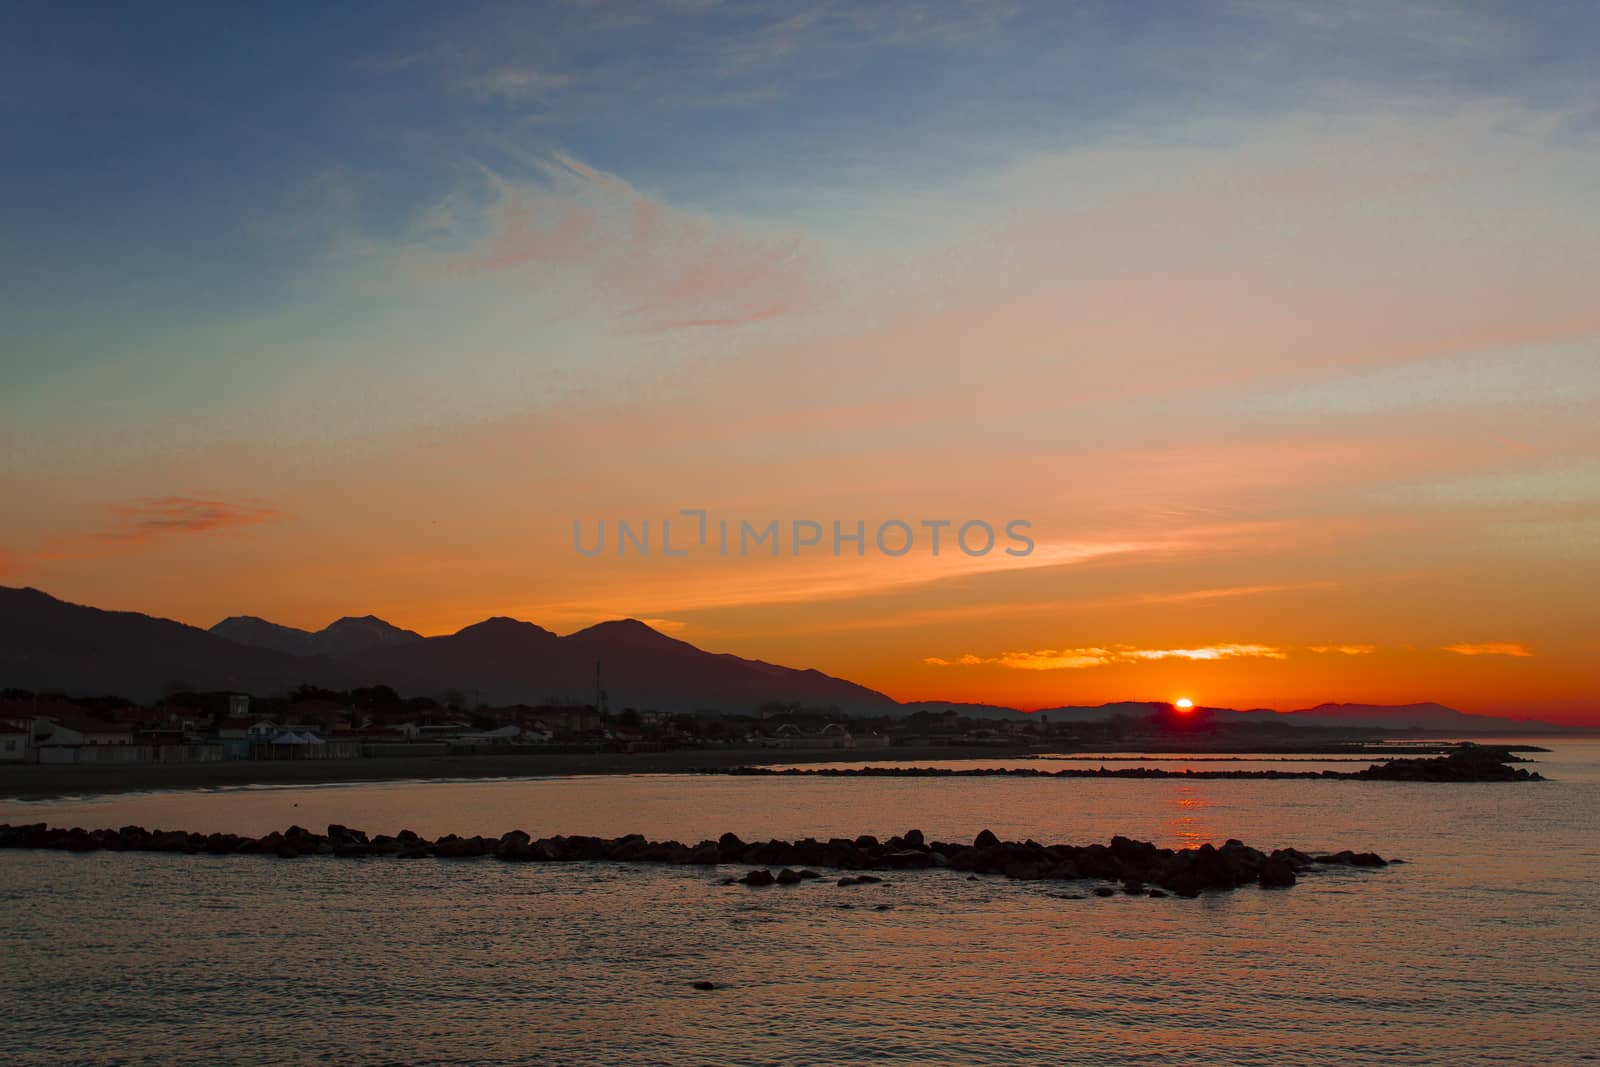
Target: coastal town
[(376, 722)]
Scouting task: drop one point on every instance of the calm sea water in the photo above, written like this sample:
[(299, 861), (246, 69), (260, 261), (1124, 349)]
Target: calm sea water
[(1483, 948)]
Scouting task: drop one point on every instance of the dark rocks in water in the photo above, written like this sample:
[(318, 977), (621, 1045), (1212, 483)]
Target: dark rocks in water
[(1104, 891), (1139, 867), (705, 986), (907, 859), (860, 879), (1347, 858), (515, 845), (1276, 873), (1470, 763), (1158, 894)]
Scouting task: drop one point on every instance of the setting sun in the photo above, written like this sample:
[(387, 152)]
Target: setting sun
[(1183, 704)]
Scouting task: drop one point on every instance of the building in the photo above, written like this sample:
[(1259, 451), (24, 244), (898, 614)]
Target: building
[(69, 728), (16, 742), (433, 731), (247, 728)]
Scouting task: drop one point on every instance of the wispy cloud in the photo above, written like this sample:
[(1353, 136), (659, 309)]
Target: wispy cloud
[(668, 269), (1345, 650), (1079, 658), (515, 83), (1226, 593), (1492, 648), (141, 520), (154, 517)]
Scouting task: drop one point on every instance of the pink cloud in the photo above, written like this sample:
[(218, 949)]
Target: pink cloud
[(140, 520), (667, 269), (521, 236)]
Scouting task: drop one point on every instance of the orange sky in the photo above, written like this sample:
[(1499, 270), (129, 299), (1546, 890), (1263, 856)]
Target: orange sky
[(1302, 401)]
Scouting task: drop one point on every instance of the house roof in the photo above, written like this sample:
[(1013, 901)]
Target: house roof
[(244, 723), (84, 724)]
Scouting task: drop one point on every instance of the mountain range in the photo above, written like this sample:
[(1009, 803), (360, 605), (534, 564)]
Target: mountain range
[(49, 645)]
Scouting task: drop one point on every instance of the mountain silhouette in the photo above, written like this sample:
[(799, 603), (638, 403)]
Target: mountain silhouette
[(52, 646), (49, 645)]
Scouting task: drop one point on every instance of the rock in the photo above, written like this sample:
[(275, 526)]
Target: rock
[(1276, 873), (1136, 865), (1104, 891), (907, 859), (705, 986), (860, 879)]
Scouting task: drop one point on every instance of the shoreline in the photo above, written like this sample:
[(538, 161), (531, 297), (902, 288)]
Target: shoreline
[(36, 782)]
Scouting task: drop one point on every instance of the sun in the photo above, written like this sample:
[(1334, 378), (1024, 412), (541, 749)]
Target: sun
[(1183, 704)]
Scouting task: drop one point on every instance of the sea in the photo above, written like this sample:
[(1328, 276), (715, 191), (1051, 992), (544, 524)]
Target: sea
[(1483, 947)]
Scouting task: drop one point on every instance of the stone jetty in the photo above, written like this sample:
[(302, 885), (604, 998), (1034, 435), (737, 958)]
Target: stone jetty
[(1139, 867), (1470, 763)]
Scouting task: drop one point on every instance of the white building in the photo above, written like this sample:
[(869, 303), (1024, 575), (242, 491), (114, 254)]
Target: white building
[(16, 741)]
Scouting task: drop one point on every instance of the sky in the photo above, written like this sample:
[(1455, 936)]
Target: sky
[(1275, 323)]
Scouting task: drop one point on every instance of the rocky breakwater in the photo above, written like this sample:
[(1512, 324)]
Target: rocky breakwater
[(1470, 763), (1138, 867)]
